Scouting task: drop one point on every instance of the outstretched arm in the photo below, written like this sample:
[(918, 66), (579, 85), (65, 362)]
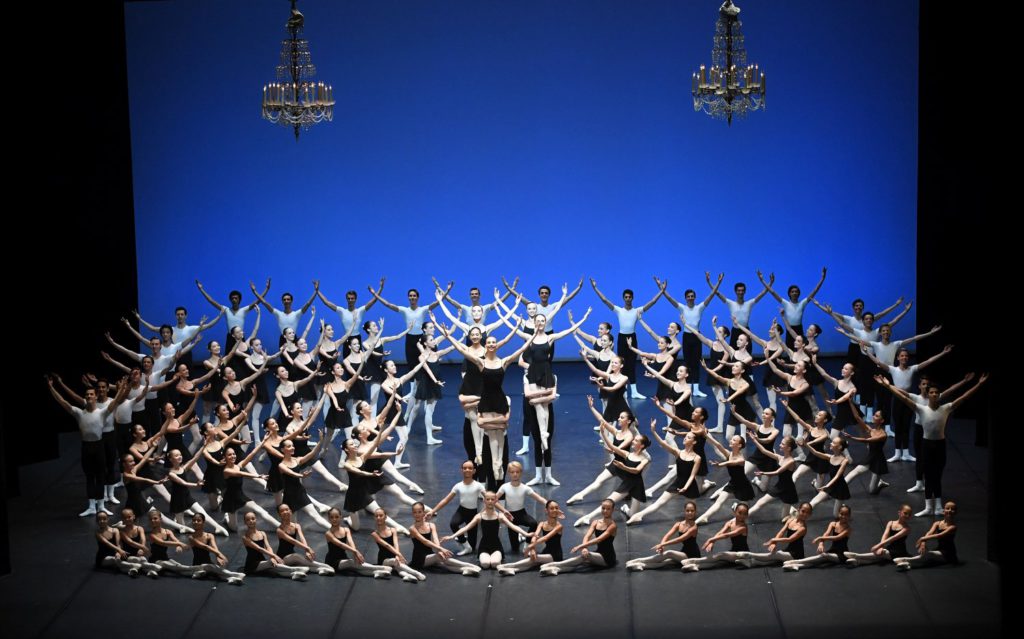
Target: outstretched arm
[(600, 295), (661, 291), (768, 287), (382, 300), (824, 271)]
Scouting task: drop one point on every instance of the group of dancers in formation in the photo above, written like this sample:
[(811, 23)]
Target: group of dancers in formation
[(147, 433)]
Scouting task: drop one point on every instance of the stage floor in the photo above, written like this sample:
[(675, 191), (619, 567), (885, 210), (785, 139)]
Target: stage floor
[(54, 592)]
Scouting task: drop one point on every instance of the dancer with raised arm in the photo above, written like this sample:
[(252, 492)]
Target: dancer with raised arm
[(690, 314), (793, 306), (627, 316)]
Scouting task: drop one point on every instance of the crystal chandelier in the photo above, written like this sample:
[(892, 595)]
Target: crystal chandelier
[(731, 86), (296, 100)]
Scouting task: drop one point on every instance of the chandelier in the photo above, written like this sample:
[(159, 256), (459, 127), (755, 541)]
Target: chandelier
[(296, 100), (731, 86)]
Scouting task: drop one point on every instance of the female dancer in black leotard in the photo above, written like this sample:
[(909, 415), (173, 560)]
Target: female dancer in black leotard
[(389, 552), (292, 547), (373, 346), (493, 408), (261, 558), (160, 540), (837, 533), (428, 385), (787, 544), (784, 490), (893, 544), (427, 551), (735, 530), (815, 437), (235, 498), (836, 488), (365, 472), (109, 553), (766, 433), (738, 387), (739, 487), (630, 463), (601, 535), (291, 476), (682, 532), (207, 556), (944, 533), (470, 392), (489, 550), (686, 484), (340, 543), (874, 462), (548, 533)]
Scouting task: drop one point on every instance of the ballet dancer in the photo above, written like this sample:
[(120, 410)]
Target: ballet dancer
[(735, 530), (664, 363), (739, 487), (474, 301), (793, 306), (490, 550), (772, 348), (515, 492), (373, 346), (837, 533), (718, 359), (133, 540), (893, 544), (287, 317), (934, 417), (427, 551), (627, 316), (109, 553), (91, 420), (874, 462), (631, 464), (428, 388), (682, 532), (292, 547), (160, 540), (690, 315), (389, 552), (235, 498), (836, 488), (697, 424), (234, 315), (295, 495), (181, 498), (261, 558), (601, 535), (351, 316), (549, 533), (766, 433), (492, 409), (468, 491), (340, 543), (621, 432), (740, 308), (677, 391), (392, 387), (367, 428), (207, 557), (783, 490), (687, 482), (365, 470), (790, 537)]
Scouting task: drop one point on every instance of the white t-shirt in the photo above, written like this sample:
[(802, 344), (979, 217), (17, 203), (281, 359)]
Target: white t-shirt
[(795, 312), (854, 324), (348, 318), (740, 311), (627, 319), (108, 420), (933, 421), (920, 400), (131, 404), (235, 318), (690, 316), (287, 320), (469, 494), (515, 496), (414, 318), (903, 379), (180, 335), (886, 353), (90, 424)]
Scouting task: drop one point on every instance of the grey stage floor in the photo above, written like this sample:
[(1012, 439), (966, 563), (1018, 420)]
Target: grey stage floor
[(54, 592)]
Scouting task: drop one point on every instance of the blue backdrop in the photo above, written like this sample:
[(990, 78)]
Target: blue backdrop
[(539, 138)]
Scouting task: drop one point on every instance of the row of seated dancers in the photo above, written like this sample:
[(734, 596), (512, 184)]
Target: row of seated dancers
[(132, 550)]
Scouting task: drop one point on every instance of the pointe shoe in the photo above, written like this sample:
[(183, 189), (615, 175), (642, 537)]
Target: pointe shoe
[(506, 572), (471, 571), (701, 521), (635, 567), (523, 451), (382, 574), (401, 466), (432, 441), (582, 521), (635, 519), (410, 579), (689, 568), (575, 499), (416, 489), (790, 567), (548, 572), (298, 576), (402, 530)]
